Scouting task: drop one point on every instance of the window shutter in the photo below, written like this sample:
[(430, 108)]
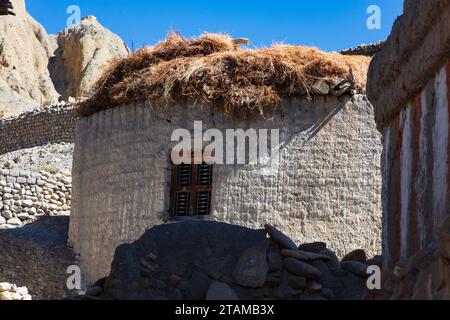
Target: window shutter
[(191, 190), (204, 174), (184, 174), (182, 204), (203, 203)]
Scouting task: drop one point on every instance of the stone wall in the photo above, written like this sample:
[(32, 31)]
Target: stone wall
[(327, 186), (416, 185), (26, 196), (419, 45), (409, 86), (52, 124)]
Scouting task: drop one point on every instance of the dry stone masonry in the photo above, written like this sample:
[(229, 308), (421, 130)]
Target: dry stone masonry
[(52, 124), (26, 196), (10, 292), (198, 260)]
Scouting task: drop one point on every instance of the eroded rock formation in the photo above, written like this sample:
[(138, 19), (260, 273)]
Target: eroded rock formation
[(25, 49), (82, 53)]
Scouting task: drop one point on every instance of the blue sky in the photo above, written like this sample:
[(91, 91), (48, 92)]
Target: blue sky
[(327, 24)]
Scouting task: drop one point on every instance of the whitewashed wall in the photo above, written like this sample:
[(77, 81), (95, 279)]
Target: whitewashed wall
[(327, 187)]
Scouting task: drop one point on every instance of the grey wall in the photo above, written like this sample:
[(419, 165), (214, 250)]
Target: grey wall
[(326, 188)]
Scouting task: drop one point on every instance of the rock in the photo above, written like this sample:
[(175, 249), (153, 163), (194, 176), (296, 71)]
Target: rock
[(23, 217), (24, 77), (27, 297), (94, 291), (4, 286), (7, 214), (27, 203), (357, 268), (283, 292), (315, 247), (23, 291), (274, 258), (356, 255), (15, 222), (251, 269), (6, 296), (283, 241), (296, 282), (2, 220), (321, 87), (304, 255), (333, 264), (376, 261), (220, 291), (83, 52), (300, 268), (274, 279), (314, 287)]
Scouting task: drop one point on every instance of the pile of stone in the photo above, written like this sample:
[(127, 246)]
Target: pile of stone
[(364, 49), (425, 275), (196, 260), (26, 196), (9, 292)]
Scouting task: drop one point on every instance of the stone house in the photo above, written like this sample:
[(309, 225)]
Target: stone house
[(409, 86), (325, 186)]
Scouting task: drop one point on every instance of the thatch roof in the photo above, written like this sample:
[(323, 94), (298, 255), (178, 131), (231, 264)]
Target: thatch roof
[(214, 70)]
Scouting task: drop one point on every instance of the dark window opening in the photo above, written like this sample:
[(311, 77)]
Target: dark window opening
[(191, 190)]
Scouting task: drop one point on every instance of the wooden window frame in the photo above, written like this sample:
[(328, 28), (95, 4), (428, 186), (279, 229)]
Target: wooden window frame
[(193, 190)]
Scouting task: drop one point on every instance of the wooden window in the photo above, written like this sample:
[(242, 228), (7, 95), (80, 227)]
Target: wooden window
[(191, 190)]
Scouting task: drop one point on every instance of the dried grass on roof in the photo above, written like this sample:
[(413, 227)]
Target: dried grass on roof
[(213, 70)]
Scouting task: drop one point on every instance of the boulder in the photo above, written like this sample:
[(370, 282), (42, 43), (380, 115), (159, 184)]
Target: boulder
[(252, 268), (282, 240), (356, 255), (300, 268), (357, 268), (315, 247), (304, 255), (274, 258), (83, 52), (25, 50), (221, 292)]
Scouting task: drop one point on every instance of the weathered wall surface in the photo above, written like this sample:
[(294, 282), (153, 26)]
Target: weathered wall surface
[(417, 48), (409, 88), (327, 186), (52, 124), (416, 187)]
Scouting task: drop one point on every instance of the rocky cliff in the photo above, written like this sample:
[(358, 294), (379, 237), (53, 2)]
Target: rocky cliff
[(38, 69), (82, 53), (25, 49)]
